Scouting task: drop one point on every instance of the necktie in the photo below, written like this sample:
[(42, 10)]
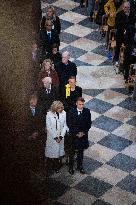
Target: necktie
[(49, 36), (33, 111), (79, 112)]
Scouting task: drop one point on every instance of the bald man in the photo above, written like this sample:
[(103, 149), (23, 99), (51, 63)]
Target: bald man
[(47, 94), (65, 69), (124, 19)]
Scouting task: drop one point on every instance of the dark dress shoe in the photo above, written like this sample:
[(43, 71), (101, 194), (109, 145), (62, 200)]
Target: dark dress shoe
[(82, 171), (71, 171)]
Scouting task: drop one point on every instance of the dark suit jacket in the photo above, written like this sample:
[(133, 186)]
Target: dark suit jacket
[(65, 71), (79, 123), (70, 101), (45, 100), (122, 22), (56, 23), (35, 123), (47, 43)]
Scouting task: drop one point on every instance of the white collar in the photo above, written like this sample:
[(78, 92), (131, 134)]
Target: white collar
[(79, 110)]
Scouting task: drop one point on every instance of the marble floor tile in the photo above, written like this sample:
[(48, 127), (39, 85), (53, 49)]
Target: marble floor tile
[(100, 202), (128, 184), (72, 17), (65, 24), (109, 174), (132, 121), (90, 165), (74, 52), (126, 131), (123, 162), (106, 123), (63, 45), (115, 142), (96, 134), (117, 196), (85, 44), (94, 115), (93, 92), (93, 186), (66, 4), (119, 113), (76, 197), (78, 30), (130, 151), (98, 106), (134, 172), (86, 97), (87, 23), (67, 37), (93, 58), (100, 153), (112, 97), (129, 104)]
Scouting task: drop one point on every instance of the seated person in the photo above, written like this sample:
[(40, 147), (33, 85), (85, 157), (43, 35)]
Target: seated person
[(50, 14), (48, 71), (47, 94), (65, 69), (71, 93), (48, 37), (55, 55)]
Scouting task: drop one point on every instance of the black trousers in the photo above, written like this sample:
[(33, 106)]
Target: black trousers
[(80, 154)]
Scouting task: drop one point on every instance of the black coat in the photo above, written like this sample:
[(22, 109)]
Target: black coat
[(56, 23), (122, 23), (45, 100), (46, 43), (35, 123), (65, 71), (79, 123), (70, 101)]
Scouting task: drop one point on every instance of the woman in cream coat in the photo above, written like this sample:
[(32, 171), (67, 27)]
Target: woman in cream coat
[(56, 130)]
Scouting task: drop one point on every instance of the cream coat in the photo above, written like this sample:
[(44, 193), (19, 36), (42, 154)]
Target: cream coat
[(55, 127)]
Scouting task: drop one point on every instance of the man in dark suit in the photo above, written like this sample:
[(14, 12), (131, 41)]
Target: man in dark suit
[(48, 37), (65, 69), (79, 122), (123, 20), (47, 94)]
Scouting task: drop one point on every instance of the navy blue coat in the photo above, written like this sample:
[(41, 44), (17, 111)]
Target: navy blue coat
[(79, 123)]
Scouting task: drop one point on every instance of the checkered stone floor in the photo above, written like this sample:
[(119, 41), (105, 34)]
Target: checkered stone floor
[(110, 161)]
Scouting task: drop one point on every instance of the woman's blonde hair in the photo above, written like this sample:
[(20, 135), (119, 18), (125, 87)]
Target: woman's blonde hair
[(56, 105), (47, 61)]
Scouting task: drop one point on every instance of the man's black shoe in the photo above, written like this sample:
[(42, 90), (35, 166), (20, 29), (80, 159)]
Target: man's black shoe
[(81, 170), (71, 171), (82, 5)]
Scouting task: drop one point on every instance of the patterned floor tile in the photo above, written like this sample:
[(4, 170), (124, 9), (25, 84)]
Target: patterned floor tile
[(76, 197), (112, 97), (100, 202), (121, 90), (98, 106), (85, 44), (68, 5), (90, 165), (128, 104), (94, 115), (126, 131), (67, 37), (128, 184), (123, 162), (100, 153), (95, 36), (106, 123), (80, 10), (107, 62), (80, 63), (96, 134), (78, 30), (117, 196), (72, 17), (130, 151), (109, 174), (93, 92), (132, 121), (115, 142), (93, 58), (62, 45), (65, 24), (134, 172), (86, 97), (93, 186), (87, 23), (74, 52), (119, 113), (101, 50)]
